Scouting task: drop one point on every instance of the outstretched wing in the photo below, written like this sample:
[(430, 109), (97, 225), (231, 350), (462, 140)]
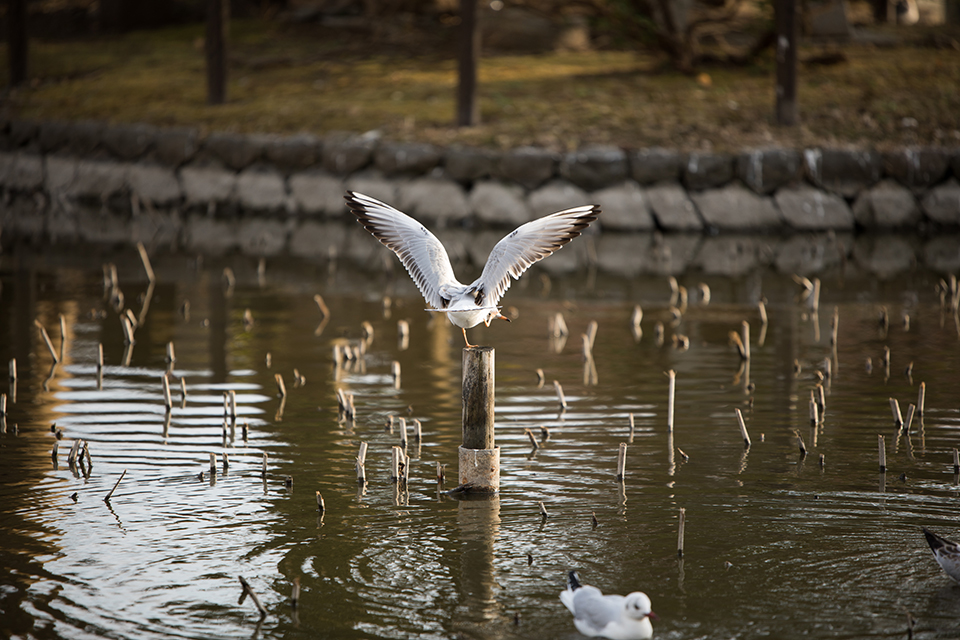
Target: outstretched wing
[(527, 244), (419, 250)]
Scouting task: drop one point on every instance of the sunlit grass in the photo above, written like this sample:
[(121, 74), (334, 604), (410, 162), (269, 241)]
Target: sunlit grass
[(287, 80)]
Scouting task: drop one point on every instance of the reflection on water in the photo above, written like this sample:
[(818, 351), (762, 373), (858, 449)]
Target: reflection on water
[(777, 543)]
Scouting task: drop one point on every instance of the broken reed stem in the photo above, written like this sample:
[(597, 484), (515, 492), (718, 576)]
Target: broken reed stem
[(247, 591), (99, 357), (543, 511), (560, 396), (63, 336), (920, 398), (834, 326), (909, 421), (263, 470), (801, 445), (680, 531), (585, 340), (46, 340), (815, 296), (956, 461), (233, 405), (897, 416), (745, 336), (762, 308), (145, 259), (403, 432), (883, 453), (671, 394), (320, 506), (171, 355), (3, 404), (631, 428), (621, 461), (743, 429), (13, 369), (281, 388), (814, 411), (324, 309), (417, 431), (213, 464), (167, 401), (533, 439), (361, 461), (395, 456), (821, 401), (110, 495), (395, 371), (295, 593), (127, 330), (592, 333)]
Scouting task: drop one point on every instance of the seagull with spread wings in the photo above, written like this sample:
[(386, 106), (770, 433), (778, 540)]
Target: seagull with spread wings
[(427, 262)]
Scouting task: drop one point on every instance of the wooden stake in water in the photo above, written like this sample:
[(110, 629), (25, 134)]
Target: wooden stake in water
[(560, 396), (883, 454), (403, 432), (680, 528), (478, 398), (814, 411), (897, 416), (213, 464), (417, 431), (743, 428), (671, 393), (395, 371), (920, 398), (621, 461)]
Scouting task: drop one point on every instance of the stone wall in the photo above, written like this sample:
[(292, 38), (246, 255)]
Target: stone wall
[(85, 178)]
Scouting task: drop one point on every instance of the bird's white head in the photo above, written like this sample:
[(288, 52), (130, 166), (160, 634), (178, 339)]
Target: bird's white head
[(493, 315), (637, 605)]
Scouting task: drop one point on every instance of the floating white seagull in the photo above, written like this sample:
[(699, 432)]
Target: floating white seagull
[(615, 617), (425, 259), (947, 553)]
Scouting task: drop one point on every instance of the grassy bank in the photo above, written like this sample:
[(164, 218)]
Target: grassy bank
[(285, 79)]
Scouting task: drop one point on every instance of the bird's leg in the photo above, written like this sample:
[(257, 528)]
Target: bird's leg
[(469, 346)]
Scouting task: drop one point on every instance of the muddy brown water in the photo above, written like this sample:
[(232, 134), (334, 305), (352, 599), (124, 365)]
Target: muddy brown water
[(776, 545)]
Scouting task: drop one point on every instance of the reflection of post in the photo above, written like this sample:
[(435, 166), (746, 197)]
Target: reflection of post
[(479, 456), (479, 522)]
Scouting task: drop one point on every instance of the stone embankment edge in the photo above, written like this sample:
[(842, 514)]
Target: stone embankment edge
[(183, 181)]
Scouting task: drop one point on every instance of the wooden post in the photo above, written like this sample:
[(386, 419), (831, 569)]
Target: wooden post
[(479, 457), (478, 397), (786, 21), (467, 113), (216, 51)]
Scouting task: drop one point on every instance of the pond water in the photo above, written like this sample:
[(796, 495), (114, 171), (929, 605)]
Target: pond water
[(776, 544)]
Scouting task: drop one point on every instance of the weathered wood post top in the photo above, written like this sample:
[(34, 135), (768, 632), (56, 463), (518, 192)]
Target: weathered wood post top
[(479, 456)]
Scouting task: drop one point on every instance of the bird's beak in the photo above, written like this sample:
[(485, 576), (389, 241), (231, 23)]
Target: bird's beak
[(503, 317), (653, 616)]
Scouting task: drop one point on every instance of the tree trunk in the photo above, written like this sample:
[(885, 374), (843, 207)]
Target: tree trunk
[(467, 113), (17, 41), (786, 19), (216, 51)]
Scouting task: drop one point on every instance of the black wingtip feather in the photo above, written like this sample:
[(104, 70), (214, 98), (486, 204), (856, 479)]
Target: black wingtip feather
[(935, 541)]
